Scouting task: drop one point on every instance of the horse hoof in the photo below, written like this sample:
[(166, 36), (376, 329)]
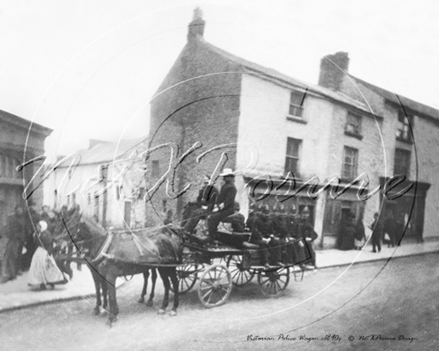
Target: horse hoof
[(96, 311), (149, 303), (161, 311), (173, 313), (141, 300)]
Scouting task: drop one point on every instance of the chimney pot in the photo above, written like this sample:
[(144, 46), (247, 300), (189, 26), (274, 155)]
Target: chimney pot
[(197, 25)]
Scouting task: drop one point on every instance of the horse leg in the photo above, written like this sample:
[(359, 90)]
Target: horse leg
[(111, 285), (153, 283), (104, 290), (144, 288), (97, 282), (173, 276), (166, 283)]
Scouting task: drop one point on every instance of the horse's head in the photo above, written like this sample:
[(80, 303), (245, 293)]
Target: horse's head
[(66, 232)]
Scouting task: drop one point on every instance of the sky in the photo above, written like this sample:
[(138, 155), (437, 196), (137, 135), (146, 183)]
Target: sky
[(88, 69)]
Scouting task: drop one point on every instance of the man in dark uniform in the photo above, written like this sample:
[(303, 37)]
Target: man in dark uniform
[(252, 216), (279, 226), (204, 205), (299, 255), (378, 231), (224, 205), (307, 232), (263, 229)]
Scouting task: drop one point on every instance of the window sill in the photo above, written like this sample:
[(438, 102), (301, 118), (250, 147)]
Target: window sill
[(296, 119), (408, 141), (354, 135)]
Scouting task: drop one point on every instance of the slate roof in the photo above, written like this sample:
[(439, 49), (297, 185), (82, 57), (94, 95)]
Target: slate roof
[(110, 151), (400, 100), (271, 73)]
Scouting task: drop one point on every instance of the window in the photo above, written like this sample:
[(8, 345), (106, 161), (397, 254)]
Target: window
[(292, 156), (296, 103), (349, 167), (156, 169), (8, 167), (403, 124), (402, 160), (353, 124)]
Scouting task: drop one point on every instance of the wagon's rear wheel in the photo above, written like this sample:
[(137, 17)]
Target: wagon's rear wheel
[(215, 285), (273, 283), (240, 275), (187, 276)]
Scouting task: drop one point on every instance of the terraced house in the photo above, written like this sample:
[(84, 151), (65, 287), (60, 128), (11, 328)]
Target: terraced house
[(219, 110)]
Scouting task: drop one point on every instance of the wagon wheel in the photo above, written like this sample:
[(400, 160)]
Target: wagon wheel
[(273, 283), (187, 277), (240, 276), (215, 286)]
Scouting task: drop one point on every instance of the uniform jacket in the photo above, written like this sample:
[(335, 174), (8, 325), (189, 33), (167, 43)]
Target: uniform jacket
[(227, 196), (306, 230), (262, 227), (207, 196)]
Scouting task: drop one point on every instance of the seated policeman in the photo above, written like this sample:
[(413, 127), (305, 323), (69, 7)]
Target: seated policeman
[(263, 230), (205, 203), (224, 205)]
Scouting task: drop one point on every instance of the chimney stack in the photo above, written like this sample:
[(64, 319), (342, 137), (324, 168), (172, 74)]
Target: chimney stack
[(197, 26), (333, 69)]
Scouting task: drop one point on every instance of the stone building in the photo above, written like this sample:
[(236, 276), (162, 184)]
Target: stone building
[(107, 181), (410, 142), (20, 142), (286, 139)]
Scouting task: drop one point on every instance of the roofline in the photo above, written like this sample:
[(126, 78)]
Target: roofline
[(318, 94), (24, 123), (399, 98), (103, 161), (287, 80)]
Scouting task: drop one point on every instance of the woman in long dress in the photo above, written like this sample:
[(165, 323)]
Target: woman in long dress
[(43, 270)]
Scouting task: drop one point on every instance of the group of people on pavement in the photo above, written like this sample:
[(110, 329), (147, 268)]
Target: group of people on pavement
[(27, 244), (283, 237), (385, 229)]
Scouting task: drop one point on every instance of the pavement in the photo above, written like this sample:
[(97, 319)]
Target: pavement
[(16, 294)]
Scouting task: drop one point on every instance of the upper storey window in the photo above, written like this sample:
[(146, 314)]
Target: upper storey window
[(403, 127), (296, 105), (353, 125)]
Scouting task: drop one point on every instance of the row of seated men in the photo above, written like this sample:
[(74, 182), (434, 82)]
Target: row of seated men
[(283, 237)]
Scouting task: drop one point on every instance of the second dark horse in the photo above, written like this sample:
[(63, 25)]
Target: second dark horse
[(126, 253)]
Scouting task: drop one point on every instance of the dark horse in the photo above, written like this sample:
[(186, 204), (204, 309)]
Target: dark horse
[(126, 253)]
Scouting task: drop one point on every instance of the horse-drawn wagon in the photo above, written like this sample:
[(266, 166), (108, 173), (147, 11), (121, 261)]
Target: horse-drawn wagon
[(182, 260)]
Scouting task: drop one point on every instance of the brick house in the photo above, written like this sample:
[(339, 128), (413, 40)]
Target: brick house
[(20, 141), (215, 107)]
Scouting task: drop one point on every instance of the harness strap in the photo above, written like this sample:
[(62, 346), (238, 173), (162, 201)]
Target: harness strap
[(105, 247)]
